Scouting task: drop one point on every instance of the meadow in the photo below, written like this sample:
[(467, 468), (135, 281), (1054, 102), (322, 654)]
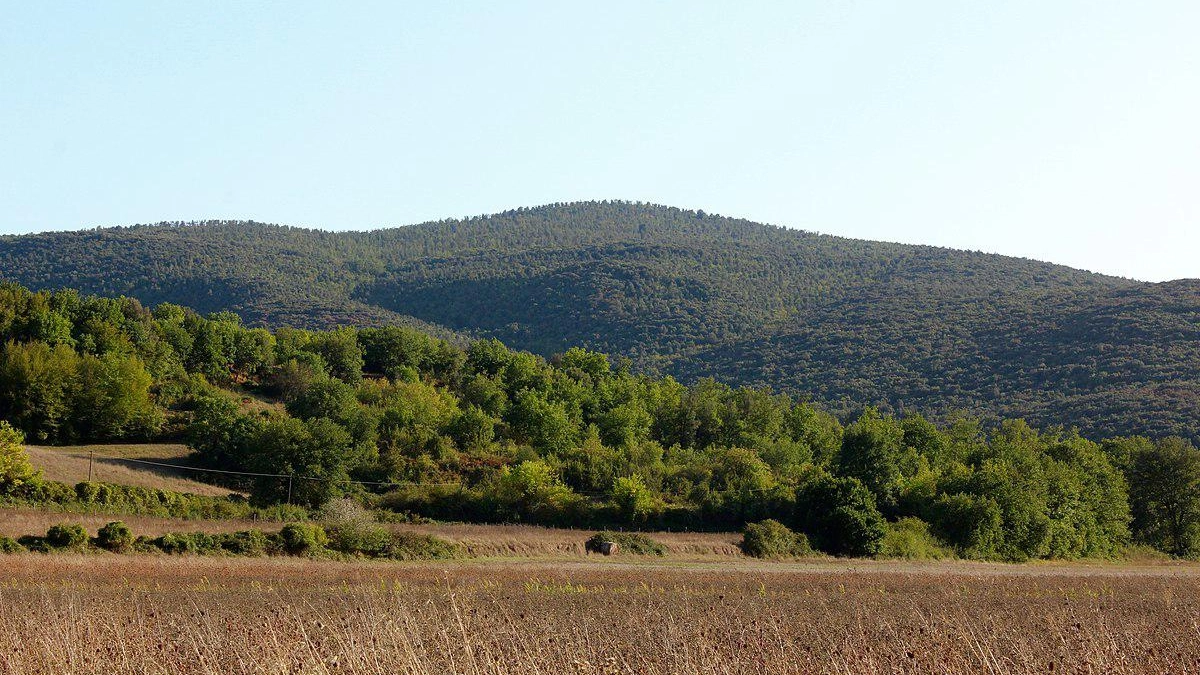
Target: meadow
[(74, 463), (154, 614)]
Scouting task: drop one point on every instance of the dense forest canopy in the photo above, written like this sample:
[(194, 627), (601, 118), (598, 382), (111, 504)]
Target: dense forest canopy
[(418, 424), (848, 323)]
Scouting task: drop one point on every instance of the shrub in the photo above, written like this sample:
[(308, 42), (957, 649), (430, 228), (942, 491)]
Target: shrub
[(365, 539), (303, 538), (187, 542), (246, 542), (911, 539), (116, 537), (629, 542), (34, 543), (172, 543), (10, 545), (414, 546), (346, 511), (773, 539), (352, 529), (87, 493), (66, 535), (47, 492), (634, 501)]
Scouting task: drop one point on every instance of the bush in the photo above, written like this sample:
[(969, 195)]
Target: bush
[(414, 546), (773, 539), (352, 529), (87, 492), (46, 492), (66, 535), (10, 545), (911, 539), (246, 542), (116, 537), (365, 539), (629, 542), (34, 543), (303, 538), (187, 542)]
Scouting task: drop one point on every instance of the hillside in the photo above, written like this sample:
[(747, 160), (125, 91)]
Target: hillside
[(848, 322), (417, 425), (107, 463)]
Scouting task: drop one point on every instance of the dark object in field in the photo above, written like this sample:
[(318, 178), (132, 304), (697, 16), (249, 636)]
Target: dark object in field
[(604, 545), (612, 543)]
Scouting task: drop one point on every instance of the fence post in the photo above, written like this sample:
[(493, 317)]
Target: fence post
[(91, 460), (289, 489)]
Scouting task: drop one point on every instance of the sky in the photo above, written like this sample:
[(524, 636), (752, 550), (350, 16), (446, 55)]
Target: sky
[(1063, 131)]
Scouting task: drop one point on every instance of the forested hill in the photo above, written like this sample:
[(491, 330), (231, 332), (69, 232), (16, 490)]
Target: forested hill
[(848, 322)]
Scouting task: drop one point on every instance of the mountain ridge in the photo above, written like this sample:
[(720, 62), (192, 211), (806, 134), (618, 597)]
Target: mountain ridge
[(849, 322)]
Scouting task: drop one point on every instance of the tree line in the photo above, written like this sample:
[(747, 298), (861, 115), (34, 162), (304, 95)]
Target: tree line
[(486, 433)]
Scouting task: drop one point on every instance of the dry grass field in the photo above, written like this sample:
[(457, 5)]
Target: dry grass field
[(69, 464), (144, 614)]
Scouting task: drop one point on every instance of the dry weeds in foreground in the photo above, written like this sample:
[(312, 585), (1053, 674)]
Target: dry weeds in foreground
[(108, 614)]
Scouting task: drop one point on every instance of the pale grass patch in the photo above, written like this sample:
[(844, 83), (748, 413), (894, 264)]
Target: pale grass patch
[(69, 464)]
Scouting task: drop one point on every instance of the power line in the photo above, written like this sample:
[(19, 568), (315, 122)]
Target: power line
[(315, 479)]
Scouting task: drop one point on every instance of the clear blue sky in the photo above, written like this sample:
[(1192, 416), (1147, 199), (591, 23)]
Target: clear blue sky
[(1064, 131)]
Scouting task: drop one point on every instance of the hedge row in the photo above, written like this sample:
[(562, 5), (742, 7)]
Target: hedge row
[(140, 501), (305, 539)]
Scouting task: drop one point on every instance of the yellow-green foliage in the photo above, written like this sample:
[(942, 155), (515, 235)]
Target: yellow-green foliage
[(773, 539), (911, 539), (15, 469)]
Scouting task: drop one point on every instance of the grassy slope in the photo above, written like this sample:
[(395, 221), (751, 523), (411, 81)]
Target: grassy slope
[(69, 464)]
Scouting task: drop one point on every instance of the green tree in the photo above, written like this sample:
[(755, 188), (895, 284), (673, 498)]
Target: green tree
[(839, 516), (972, 524), (220, 434), (113, 399), (873, 451), (318, 453), (531, 490), (625, 425), (341, 352), (1165, 486), (633, 499), (15, 469), (541, 422), (37, 385), (473, 429), (583, 363)]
